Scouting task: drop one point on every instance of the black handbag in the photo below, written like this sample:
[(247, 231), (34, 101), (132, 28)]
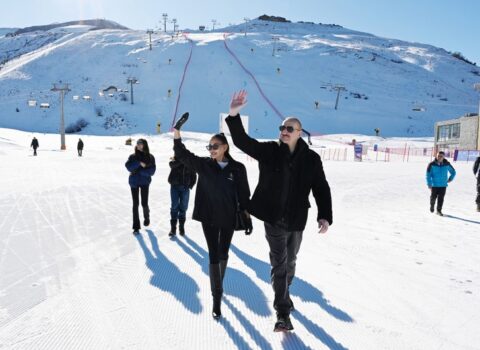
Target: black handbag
[(240, 219)]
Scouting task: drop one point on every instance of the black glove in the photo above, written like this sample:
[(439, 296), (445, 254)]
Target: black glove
[(248, 226), (181, 121)]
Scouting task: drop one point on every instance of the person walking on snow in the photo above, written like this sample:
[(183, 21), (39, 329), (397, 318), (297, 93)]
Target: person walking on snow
[(34, 145), (80, 147), (476, 172), (141, 166), (222, 189), (289, 170), (181, 180), (439, 174)]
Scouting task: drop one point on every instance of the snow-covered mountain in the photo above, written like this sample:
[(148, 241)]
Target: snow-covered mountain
[(400, 87)]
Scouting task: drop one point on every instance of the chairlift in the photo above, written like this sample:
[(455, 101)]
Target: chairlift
[(419, 108), (32, 103), (86, 97), (76, 98), (45, 105)]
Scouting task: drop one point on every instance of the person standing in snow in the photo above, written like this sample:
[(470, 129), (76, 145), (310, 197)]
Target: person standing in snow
[(141, 166), (181, 180), (222, 190), (439, 174), (476, 172), (34, 145), (80, 147), (289, 170)]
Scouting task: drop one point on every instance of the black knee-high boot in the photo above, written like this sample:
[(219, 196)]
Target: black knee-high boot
[(223, 267), (217, 289)]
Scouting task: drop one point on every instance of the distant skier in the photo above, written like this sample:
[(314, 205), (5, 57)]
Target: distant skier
[(377, 131), (289, 170), (222, 193), (80, 147), (181, 180), (476, 171), (34, 145), (439, 173), (141, 166)]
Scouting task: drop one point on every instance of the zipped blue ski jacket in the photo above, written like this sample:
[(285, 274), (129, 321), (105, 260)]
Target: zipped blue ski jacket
[(438, 174)]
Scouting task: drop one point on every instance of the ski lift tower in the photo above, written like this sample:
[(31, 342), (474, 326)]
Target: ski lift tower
[(477, 88), (62, 90)]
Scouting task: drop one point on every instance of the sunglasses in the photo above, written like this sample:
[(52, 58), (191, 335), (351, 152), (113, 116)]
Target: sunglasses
[(215, 146), (289, 129)]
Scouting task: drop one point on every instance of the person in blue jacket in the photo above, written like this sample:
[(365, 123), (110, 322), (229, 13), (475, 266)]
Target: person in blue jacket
[(439, 173), (141, 166)]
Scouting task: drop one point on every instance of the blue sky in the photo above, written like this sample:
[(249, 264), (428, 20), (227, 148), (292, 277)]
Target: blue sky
[(445, 23)]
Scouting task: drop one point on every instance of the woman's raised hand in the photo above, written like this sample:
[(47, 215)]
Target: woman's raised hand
[(239, 100)]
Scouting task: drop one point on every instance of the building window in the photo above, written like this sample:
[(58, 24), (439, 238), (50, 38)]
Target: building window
[(448, 132)]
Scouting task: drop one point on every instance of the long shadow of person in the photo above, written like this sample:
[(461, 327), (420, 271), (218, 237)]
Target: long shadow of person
[(307, 293), (237, 284), (167, 276), (462, 219), (301, 288)]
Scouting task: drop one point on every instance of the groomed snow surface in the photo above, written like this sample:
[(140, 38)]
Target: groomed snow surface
[(388, 275)]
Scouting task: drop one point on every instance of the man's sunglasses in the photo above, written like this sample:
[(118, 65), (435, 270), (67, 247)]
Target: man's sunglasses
[(289, 129), (215, 146)]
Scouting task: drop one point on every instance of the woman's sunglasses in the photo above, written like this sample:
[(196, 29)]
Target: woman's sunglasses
[(289, 129), (215, 146)]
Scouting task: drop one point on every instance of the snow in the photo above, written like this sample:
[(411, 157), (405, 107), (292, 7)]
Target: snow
[(385, 79), (387, 275)]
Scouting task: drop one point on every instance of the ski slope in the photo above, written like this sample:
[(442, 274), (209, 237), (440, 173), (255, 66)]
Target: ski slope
[(387, 275), (400, 87)]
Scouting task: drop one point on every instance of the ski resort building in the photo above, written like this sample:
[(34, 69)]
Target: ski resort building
[(458, 134)]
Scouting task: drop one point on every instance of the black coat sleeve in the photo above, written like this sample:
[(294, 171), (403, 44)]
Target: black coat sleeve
[(321, 192), (193, 179), (476, 166), (260, 151), (195, 163), (243, 189)]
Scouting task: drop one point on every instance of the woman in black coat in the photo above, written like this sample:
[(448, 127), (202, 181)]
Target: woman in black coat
[(222, 189)]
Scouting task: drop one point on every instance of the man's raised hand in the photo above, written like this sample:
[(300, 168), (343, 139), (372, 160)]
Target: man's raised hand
[(239, 100)]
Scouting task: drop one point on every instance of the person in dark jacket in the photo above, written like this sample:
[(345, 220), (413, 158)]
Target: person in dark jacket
[(80, 147), (439, 174), (222, 189), (34, 145), (181, 180), (476, 172), (141, 166), (289, 170)]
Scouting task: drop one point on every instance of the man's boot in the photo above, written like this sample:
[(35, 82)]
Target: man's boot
[(181, 226), (173, 229)]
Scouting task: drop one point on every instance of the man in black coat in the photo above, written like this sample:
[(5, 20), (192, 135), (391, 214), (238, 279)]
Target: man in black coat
[(289, 170), (80, 147), (34, 145), (181, 180), (476, 171)]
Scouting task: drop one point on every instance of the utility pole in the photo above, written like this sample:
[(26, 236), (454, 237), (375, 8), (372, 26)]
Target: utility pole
[(339, 89), (165, 17), (477, 88), (246, 21), (174, 21), (150, 32), (275, 39), (131, 81), (63, 90), (214, 21)]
